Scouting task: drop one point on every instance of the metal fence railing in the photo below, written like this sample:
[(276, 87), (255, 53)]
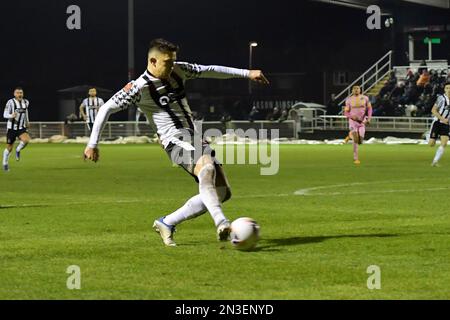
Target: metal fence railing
[(286, 129), (112, 130), (369, 78), (387, 124), (116, 129)]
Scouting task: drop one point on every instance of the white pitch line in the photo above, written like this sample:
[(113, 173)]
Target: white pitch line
[(307, 191), (372, 192)]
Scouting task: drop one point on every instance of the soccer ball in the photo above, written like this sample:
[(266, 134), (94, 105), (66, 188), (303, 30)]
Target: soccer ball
[(244, 234)]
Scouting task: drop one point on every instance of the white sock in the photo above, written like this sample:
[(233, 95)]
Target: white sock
[(21, 146), (439, 153), (208, 193), (6, 154), (194, 207)]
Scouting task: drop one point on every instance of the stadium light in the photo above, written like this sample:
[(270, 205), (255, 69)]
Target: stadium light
[(251, 45)]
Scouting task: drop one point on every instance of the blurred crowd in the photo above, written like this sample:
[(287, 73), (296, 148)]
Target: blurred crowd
[(412, 95)]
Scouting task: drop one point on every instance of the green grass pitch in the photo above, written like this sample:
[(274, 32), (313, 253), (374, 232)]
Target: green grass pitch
[(392, 211)]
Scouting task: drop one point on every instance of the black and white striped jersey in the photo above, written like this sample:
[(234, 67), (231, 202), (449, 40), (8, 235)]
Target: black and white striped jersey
[(20, 108), (92, 105), (443, 106), (162, 100)]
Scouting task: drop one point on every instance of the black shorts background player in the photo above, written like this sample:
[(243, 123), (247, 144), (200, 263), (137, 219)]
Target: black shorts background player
[(440, 126), (16, 112)]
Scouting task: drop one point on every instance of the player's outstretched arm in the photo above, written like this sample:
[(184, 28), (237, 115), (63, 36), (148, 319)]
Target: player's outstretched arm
[(258, 76), (193, 71), (92, 152), (121, 100)]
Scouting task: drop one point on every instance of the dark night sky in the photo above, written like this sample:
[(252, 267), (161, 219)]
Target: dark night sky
[(41, 54)]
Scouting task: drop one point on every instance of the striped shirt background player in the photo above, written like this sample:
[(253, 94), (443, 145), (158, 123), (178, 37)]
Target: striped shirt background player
[(139, 114), (440, 125), (160, 93), (90, 106), (16, 113), (358, 110)]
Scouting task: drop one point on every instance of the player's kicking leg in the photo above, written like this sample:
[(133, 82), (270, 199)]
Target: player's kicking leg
[(24, 140), (440, 150), (218, 190), (206, 171)]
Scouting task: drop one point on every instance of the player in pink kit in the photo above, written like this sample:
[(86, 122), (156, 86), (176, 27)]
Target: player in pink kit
[(358, 110)]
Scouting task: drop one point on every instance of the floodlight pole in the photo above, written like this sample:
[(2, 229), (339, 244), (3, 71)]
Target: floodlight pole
[(130, 49), (130, 40), (250, 62), (430, 50)]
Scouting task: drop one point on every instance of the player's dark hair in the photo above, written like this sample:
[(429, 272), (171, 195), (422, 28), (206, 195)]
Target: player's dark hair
[(18, 88), (447, 84), (163, 46)]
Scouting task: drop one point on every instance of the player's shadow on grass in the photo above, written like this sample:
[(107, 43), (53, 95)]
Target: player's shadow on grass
[(271, 244)]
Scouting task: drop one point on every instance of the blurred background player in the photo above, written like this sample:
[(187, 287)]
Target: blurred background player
[(16, 112), (90, 106), (139, 114), (160, 93), (358, 110), (440, 126)]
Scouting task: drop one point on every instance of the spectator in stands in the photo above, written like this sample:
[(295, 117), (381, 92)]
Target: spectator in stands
[(274, 114), (422, 67), (225, 117), (409, 76), (410, 94), (284, 114), (398, 92), (254, 114), (389, 85), (333, 106), (424, 79), (414, 95)]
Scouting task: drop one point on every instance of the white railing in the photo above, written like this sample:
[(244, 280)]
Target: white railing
[(370, 78), (306, 119), (286, 129), (112, 129), (115, 129), (386, 124)]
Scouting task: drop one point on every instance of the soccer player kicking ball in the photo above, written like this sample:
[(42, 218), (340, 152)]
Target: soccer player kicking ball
[(160, 93), (16, 112), (440, 126), (358, 110)]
